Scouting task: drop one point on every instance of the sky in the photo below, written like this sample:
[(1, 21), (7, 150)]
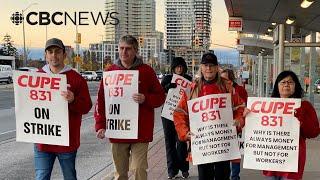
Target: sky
[(36, 35)]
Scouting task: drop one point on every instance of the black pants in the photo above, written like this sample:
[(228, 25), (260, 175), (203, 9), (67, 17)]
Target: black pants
[(214, 171), (176, 150)]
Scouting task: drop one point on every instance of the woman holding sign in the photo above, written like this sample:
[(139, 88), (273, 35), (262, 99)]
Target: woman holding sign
[(176, 150), (287, 85), (209, 82)]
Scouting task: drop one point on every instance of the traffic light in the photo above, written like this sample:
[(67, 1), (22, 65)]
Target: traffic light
[(141, 41), (77, 58), (78, 38)]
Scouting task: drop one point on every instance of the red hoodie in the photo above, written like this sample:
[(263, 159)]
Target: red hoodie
[(242, 92), (149, 86), (81, 105)]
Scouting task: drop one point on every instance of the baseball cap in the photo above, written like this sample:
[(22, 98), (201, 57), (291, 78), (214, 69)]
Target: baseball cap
[(54, 42), (209, 58)]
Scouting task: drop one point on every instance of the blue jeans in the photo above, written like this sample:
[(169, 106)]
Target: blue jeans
[(43, 163), (235, 171)]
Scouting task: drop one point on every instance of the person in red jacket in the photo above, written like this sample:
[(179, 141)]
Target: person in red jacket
[(209, 82), (151, 95), (229, 75), (79, 103), (287, 85)]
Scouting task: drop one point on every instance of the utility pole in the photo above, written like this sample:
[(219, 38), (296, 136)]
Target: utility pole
[(46, 33), (77, 50), (102, 53), (192, 43), (24, 36), (170, 58)]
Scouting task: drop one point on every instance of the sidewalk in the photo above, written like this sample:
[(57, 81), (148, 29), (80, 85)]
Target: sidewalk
[(158, 170), (156, 160)]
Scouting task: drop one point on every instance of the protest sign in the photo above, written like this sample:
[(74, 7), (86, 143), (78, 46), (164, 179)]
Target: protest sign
[(174, 95), (121, 111), (211, 122), (272, 134), (241, 141), (41, 111)]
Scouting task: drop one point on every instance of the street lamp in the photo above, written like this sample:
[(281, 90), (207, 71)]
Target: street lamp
[(290, 20), (192, 41), (306, 3), (102, 53), (24, 38)]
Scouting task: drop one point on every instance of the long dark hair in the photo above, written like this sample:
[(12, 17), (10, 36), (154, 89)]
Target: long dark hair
[(298, 91)]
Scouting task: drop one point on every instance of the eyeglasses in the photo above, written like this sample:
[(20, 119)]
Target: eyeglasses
[(282, 83)]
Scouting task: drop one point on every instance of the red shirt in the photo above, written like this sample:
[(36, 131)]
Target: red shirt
[(242, 92), (81, 105)]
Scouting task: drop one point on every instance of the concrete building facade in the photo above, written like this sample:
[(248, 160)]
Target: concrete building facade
[(188, 28), (136, 17)]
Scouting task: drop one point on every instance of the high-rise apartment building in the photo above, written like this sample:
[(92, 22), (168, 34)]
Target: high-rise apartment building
[(188, 21), (136, 17), (202, 22), (188, 28), (179, 19)]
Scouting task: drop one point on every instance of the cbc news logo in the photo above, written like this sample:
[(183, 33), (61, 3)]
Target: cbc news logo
[(64, 18), (16, 18)]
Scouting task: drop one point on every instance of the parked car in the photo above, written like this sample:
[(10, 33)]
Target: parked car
[(317, 86), (90, 75), (99, 75), (5, 74)]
